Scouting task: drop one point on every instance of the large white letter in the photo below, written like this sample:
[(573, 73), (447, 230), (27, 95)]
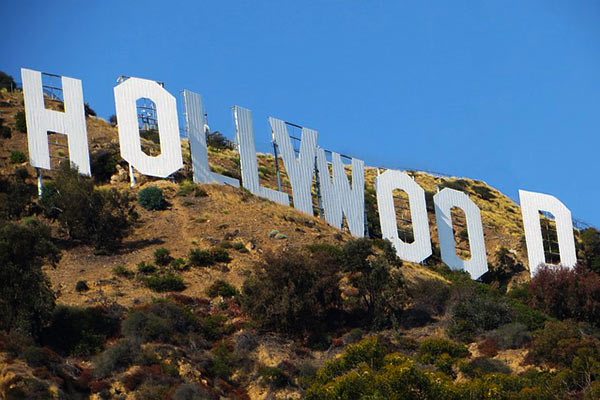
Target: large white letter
[(385, 184), (199, 153), (531, 204), (338, 197), (299, 170), (40, 121), (444, 201), (170, 159), (245, 141)]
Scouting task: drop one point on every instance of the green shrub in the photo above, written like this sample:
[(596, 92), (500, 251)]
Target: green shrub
[(121, 270), (219, 254), (293, 292), (98, 217), (117, 358), (218, 141), (162, 320), (81, 286), (103, 164), (178, 264), (17, 157), (26, 295), (15, 197), (476, 309), (162, 256), (146, 268), (481, 366), (151, 198), (431, 349), (221, 362), (78, 331), (200, 258), (167, 282), (5, 132), (509, 336), (273, 376), (21, 124), (214, 326), (221, 288)]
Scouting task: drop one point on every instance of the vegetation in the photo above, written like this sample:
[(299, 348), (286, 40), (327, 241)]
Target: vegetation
[(98, 217), (151, 198), (17, 157), (20, 121), (26, 298)]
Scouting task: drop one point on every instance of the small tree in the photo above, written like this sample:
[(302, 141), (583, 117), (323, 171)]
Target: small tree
[(7, 82), (98, 217), (112, 120), (292, 293), (20, 122), (26, 298), (151, 198)]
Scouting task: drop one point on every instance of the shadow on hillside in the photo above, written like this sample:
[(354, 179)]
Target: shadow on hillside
[(138, 244)]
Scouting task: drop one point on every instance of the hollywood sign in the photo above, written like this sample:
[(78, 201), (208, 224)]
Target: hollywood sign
[(340, 198)]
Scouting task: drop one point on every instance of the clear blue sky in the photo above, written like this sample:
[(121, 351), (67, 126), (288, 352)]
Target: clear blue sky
[(503, 91)]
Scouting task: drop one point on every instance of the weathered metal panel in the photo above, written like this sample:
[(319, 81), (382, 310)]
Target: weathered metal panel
[(338, 197), (170, 159), (531, 204), (249, 166), (39, 121), (195, 128), (444, 201), (299, 169), (385, 184)]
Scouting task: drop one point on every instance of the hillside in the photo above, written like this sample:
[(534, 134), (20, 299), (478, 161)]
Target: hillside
[(223, 332)]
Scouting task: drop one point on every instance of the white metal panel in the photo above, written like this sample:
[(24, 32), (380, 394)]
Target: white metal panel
[(299, 169), (170, 159), (444, 201), (245, 140), (531, 204), (337, 195), (39, 121), (385, 184), (195, 128)]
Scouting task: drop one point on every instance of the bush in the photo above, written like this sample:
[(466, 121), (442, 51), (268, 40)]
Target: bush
[(81, 286), (7, 82), (481, 366), (117, 358), (273, 376), (292, 292), (145, 268), (373, 269), (5, 132), (15, 198), (98, 217), (221, 288), (121, 270), (17, 157), (476, 309), (167, 282), (162, 256), (509, 336), (21, 124), (161, 321), (78, 331), (112, 120), (200, 258), (558, 343), (431, 350), (26, 296), (431, 295), (218, 141), (151, 198), (221, 362), (103, 164), (567, 293), (219, 254), (88, 110)]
